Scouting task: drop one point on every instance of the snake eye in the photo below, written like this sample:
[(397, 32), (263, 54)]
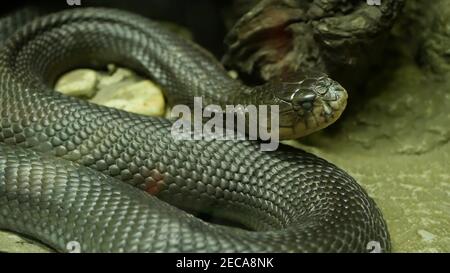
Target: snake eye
[(305, 100), (307, 105)]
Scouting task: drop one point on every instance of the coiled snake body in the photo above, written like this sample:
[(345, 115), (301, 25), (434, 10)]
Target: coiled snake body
[(63, 161)]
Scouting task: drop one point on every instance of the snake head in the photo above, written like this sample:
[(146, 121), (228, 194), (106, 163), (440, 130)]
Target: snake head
[(308, 101)]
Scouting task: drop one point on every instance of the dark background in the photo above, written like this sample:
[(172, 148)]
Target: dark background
[(204, 18)]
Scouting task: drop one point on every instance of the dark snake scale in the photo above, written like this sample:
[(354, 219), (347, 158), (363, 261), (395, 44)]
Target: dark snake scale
[(64, 161)]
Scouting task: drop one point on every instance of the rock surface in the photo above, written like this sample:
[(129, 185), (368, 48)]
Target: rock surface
[(13, 243), (120, 89), (78, 83), (435, 51)]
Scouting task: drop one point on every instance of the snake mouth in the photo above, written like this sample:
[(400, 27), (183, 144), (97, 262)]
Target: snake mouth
[(313, 104)]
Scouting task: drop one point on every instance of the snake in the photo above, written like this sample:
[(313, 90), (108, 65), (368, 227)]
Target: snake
[(114, 181)]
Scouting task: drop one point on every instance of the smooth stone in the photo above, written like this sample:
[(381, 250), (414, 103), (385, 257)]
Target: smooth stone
[(79, 82), (142, 97), (118, 75)]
